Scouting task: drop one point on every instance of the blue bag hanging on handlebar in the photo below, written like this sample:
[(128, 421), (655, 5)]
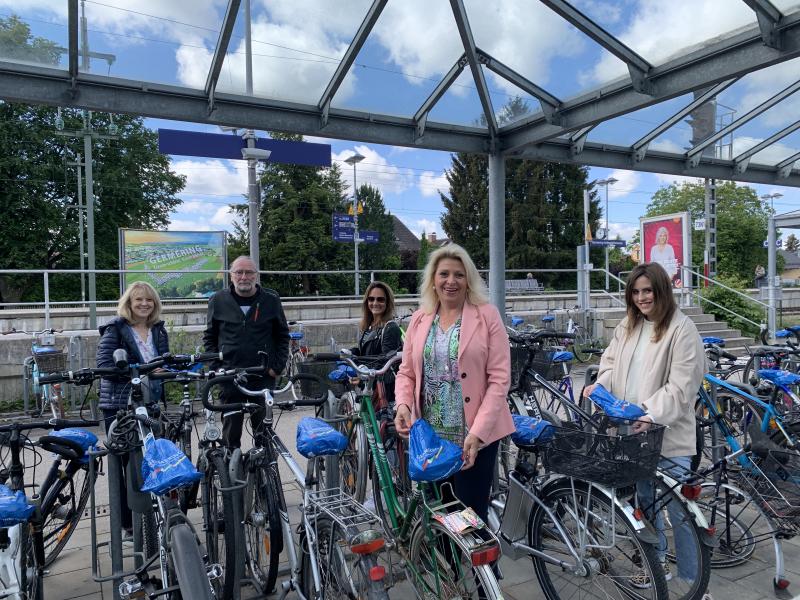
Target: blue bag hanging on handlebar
[(613, 406), (14, 507), (342, 372), (530, 430), (315, 437), (165, 467), (86, 439), (431, 458)]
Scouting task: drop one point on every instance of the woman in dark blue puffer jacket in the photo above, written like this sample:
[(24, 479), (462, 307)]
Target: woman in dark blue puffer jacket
[(139, 331)]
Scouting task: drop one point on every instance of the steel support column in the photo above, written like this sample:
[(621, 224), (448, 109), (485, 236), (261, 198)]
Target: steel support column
[(497, 231)]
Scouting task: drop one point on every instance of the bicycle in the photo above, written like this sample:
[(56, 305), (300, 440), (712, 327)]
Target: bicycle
[(339, 539), (298, 353), (45, 358), (23, 539), (439, 561), (583, 344)]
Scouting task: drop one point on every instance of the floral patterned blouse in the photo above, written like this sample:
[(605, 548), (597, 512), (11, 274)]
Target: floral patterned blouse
[(443, 404)]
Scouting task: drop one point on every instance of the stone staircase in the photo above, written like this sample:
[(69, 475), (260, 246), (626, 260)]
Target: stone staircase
[(706, 324)]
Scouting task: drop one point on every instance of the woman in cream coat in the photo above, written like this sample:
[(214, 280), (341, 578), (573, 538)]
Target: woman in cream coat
[(656, 360)]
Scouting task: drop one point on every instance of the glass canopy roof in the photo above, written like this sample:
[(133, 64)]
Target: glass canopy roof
[(638, 85)]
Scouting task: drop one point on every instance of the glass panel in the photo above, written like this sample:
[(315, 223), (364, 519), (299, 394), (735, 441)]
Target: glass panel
[(758, 130), (460, 105), (34, 36), (161, 42), (787, 7), (511, 104), (627, 129), (296, 49)]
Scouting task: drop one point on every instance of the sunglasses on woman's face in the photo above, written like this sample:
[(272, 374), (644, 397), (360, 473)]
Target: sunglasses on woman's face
[(378, 299)]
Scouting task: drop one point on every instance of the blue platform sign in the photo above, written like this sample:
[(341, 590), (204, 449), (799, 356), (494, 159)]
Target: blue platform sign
[(610, 243), (368, 237), (221, 145), (343, 227)]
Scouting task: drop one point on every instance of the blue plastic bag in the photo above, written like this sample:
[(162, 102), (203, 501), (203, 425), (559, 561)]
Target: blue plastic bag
[(342, 372), (165, 467), (315, 437), (783, 333), (86, 439), (714, 340), (779, 376), (613, 406), (431, 458), (516, 321), (563, 356), (530, 430), (14, 507)]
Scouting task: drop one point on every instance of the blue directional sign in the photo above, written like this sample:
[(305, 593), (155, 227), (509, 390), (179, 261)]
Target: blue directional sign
[(369, 237), (343, 227), (220, 145), (610, 243)]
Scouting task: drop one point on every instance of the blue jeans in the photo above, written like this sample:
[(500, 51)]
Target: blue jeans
[(685, 551)]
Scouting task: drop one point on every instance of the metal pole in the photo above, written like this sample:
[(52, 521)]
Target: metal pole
[(81, 230), (87, 151), (355, 230), (497, 231), (250, 137), (606, 237), (47, 301), (771, 272), (583, 274)]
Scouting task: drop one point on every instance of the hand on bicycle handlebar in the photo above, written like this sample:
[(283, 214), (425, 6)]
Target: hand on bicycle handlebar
[(403, 420), (642, 424), (588, 390)]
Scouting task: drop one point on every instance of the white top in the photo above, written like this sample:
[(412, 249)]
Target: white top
[(636, 370), (146, 347), (665, 257)]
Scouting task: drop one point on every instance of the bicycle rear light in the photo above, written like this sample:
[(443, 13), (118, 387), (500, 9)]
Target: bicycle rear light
[(367, 542), (638, 514), (691, 491), (782, 584), (377, 573), (486, 556)]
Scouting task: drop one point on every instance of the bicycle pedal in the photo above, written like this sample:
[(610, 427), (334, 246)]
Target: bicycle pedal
[(131, 589), (214, 572)]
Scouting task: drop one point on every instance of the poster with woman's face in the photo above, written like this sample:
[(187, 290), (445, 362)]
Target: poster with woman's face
[(664, 241)]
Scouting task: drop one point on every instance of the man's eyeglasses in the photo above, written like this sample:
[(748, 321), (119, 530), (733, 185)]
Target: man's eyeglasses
[(243, 273), (374, 299)]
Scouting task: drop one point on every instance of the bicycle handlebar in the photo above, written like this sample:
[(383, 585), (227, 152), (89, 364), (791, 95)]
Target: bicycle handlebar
[(363, 370), (15, 330), (232, 377), (536, 336), (54, 424), (81, 377)]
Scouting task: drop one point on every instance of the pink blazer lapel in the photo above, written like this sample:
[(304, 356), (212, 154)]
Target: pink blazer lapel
[(469, 323)]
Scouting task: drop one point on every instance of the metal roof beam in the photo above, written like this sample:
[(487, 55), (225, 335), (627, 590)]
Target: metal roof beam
[(578, 139), (638, 66), (349, 57), (549, 102), (729, 58), (221, 50), (421, 116), (43, 85), (640, 146), (619, 157), (693, 155), (462, 22), (742, 161), (785, 166), (72, 34), (768, 18)]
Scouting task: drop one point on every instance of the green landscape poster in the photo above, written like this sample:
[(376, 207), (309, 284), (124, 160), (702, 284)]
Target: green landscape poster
[(184, 253)]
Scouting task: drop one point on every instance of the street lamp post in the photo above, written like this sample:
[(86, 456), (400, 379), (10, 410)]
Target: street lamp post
[(772, 197), (354, 160), (606, 182)]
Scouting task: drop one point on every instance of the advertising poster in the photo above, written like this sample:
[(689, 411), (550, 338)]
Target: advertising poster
[(666, 240), (184, 251)]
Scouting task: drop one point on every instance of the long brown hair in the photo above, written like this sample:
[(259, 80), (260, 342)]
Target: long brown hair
[(388, 307), (664, 306)]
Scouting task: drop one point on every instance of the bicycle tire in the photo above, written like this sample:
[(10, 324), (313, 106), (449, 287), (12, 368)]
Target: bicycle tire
[(605, 577), (579, 346), (737, 531), (186, 494), (31, 578), (150, 542), (188, 565), (397, 458), (61, 511), (221, 526), (354, 461), (695, 586), (263, 536), (735, 411), (343, 574), (443, 567)]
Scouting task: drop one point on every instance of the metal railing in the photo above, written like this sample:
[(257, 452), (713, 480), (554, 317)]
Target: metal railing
[(700, 277)]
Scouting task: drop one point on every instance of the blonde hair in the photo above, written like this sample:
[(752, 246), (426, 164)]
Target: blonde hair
[(124, 304), (476, 288)]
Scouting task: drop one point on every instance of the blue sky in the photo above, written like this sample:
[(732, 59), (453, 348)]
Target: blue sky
[(297, 43)]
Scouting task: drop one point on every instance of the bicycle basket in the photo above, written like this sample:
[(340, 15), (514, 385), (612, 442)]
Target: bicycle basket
[(614, 458), (544, 365), (49, 360), (321, 370), (773, 482)]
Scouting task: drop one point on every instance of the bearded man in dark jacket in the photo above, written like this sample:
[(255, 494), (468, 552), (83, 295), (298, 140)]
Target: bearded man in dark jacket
[(242, 321)]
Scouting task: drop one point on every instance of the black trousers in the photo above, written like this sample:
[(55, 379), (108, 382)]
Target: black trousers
[(473, 486), (232, 424)]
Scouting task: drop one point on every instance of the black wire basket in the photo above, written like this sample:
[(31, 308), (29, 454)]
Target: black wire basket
[(773, 481), (50, 361), (321, 369), (615, 458)]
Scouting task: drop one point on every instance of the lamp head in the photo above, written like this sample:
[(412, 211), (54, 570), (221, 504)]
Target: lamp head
[(356, 158)]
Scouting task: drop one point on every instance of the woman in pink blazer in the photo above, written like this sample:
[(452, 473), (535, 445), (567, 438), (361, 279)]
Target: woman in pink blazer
[(456, 370)]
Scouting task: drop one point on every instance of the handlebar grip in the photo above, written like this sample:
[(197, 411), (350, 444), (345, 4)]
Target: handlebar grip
[(204, 395), (325, 356), (206, 356), (54, 377), (64, 423), (728, 355)]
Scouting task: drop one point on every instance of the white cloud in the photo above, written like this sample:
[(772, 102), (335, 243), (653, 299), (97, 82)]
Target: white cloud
[(627, 182), (418, 226), (430, 184), (770, 155), (667, 146), (374, 170), (188, 225), (624, 230), (764, 84), (213, 176), (670, 179)]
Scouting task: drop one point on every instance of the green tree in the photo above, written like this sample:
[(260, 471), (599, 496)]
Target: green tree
[(792, 243), (741, 224), (18, 44), (133, 188), (384, 254), (425, 248)]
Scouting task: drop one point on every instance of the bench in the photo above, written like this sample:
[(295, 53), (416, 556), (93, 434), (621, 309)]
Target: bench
[(523, 285)]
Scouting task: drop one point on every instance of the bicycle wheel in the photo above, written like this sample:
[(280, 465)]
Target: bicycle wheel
[(684, 547), (343, 574), (397, 458), (738, 523), (613, 559), (187, 564), (354, 461), (443, 567), (263, 536), (186, 495), (580, 344), (221, 527), (63, 508), (31, 578), (737, 414)]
